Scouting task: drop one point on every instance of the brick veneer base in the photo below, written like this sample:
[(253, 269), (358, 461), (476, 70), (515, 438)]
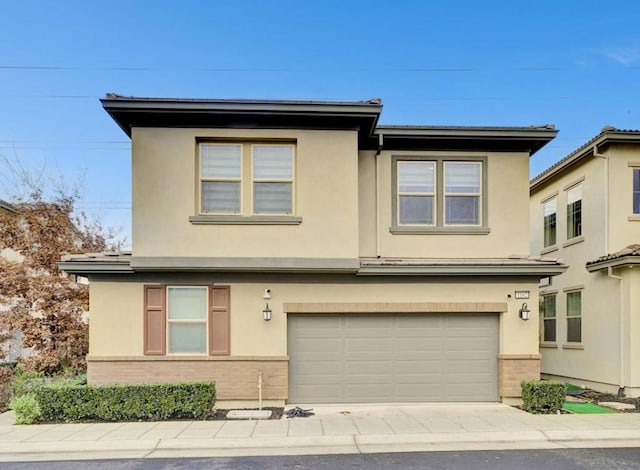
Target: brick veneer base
[(235, 378), (513, 369)]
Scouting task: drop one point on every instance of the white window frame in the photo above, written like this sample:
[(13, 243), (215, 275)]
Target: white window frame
[(274, 180), (544, 318), (205, 321), (568, 317), (478, 195), (202, 179), (434, 194), (567, 192), (553, 200)]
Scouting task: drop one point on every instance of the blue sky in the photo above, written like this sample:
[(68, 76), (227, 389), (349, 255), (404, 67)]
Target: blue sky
[(575, 64)]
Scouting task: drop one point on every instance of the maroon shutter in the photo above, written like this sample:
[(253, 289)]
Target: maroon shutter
[(219, 320), (155, 321)]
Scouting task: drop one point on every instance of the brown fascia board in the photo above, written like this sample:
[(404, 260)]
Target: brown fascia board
[(129, 112), (602, 140), (521, 139)]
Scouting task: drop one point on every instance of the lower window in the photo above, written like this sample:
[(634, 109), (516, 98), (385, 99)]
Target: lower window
[(187, 320), (574, 317), (549, 318)]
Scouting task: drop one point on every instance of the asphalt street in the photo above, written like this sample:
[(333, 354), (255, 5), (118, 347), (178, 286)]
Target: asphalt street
[(558, 459)]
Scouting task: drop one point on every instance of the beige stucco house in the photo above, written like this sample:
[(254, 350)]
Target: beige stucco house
[(301, 251), (585, 209)]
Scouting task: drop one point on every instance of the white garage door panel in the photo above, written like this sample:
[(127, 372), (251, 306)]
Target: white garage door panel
[(387, 358)]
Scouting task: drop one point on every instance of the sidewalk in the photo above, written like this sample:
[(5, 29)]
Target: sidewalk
[(333, 430)]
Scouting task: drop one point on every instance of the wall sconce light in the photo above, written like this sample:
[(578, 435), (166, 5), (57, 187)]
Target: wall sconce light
[(525, 312), (266, 313)]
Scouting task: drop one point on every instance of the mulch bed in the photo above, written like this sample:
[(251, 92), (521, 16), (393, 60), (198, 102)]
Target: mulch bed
[(593, 396), (221, 414)]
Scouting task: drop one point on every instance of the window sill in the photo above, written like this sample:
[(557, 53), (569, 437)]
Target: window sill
[(549, 249), (573, 346), (245, 220), (549, 345), (449, 230), (634, 218), (573, 241)]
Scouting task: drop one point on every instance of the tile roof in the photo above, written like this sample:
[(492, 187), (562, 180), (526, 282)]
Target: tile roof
[(607, 132), (631, 250)]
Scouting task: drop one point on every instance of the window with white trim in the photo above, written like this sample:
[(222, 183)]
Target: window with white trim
[(548, 308), (549, 209), (574, 211), (187, 317), (574, 317)]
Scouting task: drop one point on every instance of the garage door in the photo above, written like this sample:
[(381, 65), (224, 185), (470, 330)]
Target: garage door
[(355, 358)]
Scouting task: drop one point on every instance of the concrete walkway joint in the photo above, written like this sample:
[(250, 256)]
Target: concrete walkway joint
[(332, 430)]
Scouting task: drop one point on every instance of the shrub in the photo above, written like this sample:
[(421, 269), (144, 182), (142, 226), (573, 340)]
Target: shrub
[(6, 374), (24, 383), (64, 402), (26, 408), (543, 396)]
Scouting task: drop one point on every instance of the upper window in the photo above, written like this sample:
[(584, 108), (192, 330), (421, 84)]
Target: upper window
[(438, 194), (221, 178), (636, 190), (231, 185), (462, 191), (549, 209), (549, 318), (574, 317), (574, 212), (272, 179), (416, 192)]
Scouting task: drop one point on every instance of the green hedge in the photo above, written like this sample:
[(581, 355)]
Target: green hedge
[(543, 396), (155, 402)]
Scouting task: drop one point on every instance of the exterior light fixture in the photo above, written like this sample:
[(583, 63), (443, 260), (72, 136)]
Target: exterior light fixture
[(524, 312), (266, 313)]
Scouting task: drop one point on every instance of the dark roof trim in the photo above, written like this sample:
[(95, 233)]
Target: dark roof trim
[(514, 139), (538, 271), (607, 136), (129, 111)]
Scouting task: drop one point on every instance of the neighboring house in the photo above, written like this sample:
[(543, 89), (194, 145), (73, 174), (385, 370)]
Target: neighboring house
[(6, 208), (300, 247), (582, 208)]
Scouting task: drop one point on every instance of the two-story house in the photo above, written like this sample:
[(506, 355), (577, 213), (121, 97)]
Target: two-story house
[(585, 209), (300, 250)]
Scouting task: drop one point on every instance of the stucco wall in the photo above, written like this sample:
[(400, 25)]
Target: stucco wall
[(598, 359), (165, 195), (508, 217), (116, 307)]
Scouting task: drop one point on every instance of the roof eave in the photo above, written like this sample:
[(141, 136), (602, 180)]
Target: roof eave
[(456, 270), (92, 267), (613, 263), (521, 139), (154, 112), (587, 150)]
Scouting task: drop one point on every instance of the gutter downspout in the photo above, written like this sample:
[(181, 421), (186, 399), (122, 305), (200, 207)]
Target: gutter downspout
[(377, 177), (621, 333)]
